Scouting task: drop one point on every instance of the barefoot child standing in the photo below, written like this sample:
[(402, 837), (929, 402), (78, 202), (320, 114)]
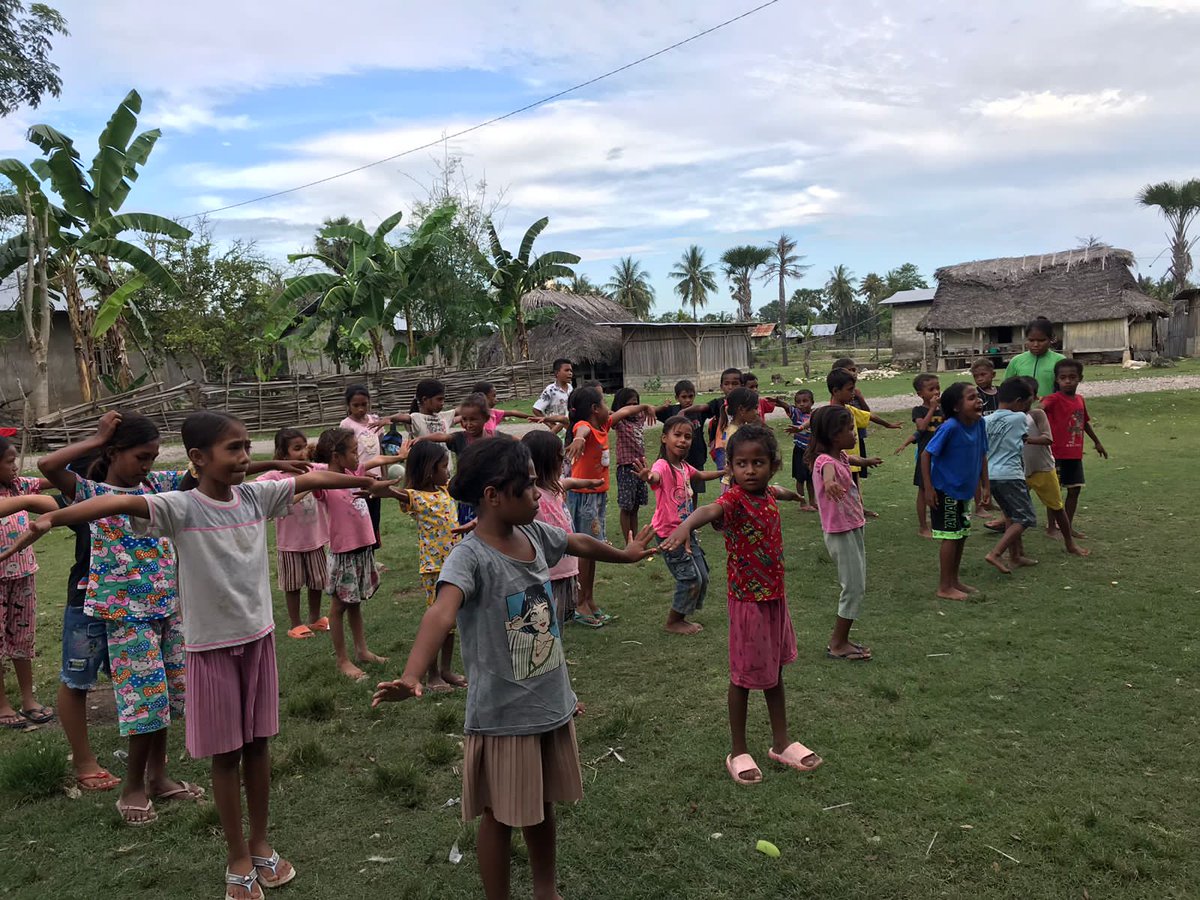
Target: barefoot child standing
[(843, 391), (761, 638), (800, 413), (1069, 420), (926, 417), (1007, 434)]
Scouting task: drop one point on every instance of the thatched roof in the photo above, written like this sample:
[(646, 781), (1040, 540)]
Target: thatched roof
[(1069, 286), (572, 332)]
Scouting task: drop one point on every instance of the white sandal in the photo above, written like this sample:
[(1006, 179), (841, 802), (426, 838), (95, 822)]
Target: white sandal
[(272, 862), (249, 882)]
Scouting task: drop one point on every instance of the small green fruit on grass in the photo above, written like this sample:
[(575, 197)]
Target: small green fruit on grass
[(768, 848)]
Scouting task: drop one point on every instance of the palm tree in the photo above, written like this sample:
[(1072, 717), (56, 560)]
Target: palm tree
[(873, 289), (740, 265), (783, 264), (630, 286), (1179, 203), (696, 279), (840, 288), (580, 285)]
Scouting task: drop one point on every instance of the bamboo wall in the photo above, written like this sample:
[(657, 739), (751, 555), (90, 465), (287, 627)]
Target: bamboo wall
[(671, 354), (1104, 335)]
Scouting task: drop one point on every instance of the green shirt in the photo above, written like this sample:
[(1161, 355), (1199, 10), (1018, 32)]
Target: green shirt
[(1039, 367)]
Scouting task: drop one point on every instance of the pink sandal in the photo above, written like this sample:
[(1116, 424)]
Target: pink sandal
[(794, 755), (744, 762)]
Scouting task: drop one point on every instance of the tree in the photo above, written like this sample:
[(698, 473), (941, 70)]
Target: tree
[(803, 307), (580, 285), (873, 289), (904, 278), (630, 286), (1179, 203), (695, 279), (782, 265), (740, 265), (512, 277), (840, 290), (26, 73)]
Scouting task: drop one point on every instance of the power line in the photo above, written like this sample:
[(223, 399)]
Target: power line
[(493, 121)]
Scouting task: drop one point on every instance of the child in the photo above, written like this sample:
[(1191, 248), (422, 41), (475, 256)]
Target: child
[(741, 408), (1069, 421), (672, 477), (631, 458), (927, 418), (588, 454), (301, 539), (1040, 473), (496, 416), (1007, 434), (801, 415), (18, 599), (1038, 360), (353, 578), (842, 520), (766, 405), (553, 400), (520, 755), (426, 499), (859, 402), (761, 639), (425, 415), (843, 391), (731, 380), (232, 707), (366, 427), (684, 405), (954, 471), (473, 416), (983, 371)]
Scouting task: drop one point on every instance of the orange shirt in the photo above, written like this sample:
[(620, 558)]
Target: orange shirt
[(593, 462)]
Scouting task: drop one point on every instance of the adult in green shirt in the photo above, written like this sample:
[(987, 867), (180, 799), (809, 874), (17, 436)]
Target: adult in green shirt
[(1039, 360)]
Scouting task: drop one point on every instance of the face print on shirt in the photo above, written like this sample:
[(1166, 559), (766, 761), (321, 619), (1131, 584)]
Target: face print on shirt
[(533, 638)]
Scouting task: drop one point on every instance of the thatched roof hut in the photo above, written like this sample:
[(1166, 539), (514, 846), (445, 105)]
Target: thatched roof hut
[(1089, 294)]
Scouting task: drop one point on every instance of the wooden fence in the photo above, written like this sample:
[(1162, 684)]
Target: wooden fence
[(267, 406)]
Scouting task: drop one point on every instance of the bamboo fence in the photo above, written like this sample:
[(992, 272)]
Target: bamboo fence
[(267, 406)]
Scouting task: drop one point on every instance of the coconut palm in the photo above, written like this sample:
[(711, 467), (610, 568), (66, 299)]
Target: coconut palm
[(630, 286), (1179, 203), (740, 265), (874, 289), (695, 279), (840, 289), (782, 264)]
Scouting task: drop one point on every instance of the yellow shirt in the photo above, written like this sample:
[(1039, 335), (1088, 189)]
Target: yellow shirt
[(862, 419)]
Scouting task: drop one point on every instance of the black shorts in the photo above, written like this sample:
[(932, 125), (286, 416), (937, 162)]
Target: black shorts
[(632, 494), (1070, 472), (862, 450), (1014, 501), (918, 480), (800, 471), (950, 519)]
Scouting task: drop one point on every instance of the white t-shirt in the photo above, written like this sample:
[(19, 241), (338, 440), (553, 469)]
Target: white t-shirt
[(553, 401), (221, 547)]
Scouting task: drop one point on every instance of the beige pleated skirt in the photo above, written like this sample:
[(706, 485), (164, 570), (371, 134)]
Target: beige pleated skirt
[(515, 776)]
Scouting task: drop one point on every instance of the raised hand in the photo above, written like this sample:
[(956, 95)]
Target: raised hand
[(638, 546), (107, 426), (395, 691)]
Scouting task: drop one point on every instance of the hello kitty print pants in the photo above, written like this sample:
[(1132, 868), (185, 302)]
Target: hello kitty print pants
[(146, 661)]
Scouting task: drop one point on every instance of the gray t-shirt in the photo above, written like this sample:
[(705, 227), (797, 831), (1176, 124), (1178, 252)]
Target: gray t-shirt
[(224, 585), (508, 629), (1038, 458)]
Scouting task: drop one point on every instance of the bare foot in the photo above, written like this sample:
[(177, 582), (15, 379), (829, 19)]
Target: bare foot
[(1024, 561), (870, 514), (952, 594), (683, 627), (1053, 534), (350, 670), (998, 563), (966, 588), (1078, 534), (925, 533), (453, 679), (437, 685), (808, 508), (367, 656), (1079, 551)]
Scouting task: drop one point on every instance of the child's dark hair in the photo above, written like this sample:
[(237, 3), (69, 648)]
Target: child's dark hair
[(593, 383), (1068, 364), (5, 445), (498, 462), (426, 388), (676, 421), (732, 370), (356, 390), (626, 396), (923, 379), (754, 433), (740, 398), (1043, 326), (983, 363), (583, 401), (844, 363), (199, 431), (1032, 382), (826, 424), (748, 377), (803, 392), (422, 464), (483, 387), (559, 363), (685, 386), (133, 431), (284, 437), (477, 401), (546, 451), (952, 397), (1013, 389), (839, 378), (332, 441)]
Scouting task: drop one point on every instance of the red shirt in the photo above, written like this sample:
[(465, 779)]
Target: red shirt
[(593, 461), (1067, 415), (754, 542), (765, 406)]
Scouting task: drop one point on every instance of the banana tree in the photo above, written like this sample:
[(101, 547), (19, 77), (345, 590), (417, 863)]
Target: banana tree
[(512, 277)]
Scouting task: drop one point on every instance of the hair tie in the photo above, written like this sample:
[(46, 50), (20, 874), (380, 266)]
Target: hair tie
[(193, 471)]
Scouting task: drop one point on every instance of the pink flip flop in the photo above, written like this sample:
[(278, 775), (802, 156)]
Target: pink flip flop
[(794, 756), (744, 762)]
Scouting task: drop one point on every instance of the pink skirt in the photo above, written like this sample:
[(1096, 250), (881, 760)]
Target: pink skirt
[(232, 697), (761, 642)]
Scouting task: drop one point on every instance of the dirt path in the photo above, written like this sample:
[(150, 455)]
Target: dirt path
[(173, 453)]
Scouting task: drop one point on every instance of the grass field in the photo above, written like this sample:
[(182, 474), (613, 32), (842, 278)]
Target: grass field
[(1039, 742)]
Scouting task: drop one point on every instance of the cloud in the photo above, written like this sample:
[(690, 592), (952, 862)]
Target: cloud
[(1047, 106), (187, 117)]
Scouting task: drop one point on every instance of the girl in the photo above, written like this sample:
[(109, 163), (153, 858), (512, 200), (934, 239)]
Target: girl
[(18, 599), (631, 458), (366, 427), (859, 402), (473, 416), (842, 519), (1039, 359), (301, 538), (426, 416), (546, 450), (426, 499), (761, 639), (741, 408), (353, 578), (588, 455), (954, 471), (672, 477), (520, 756), (496, 416), (232, 704)]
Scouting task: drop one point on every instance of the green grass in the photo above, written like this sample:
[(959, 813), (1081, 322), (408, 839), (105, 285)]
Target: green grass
[(1056, 717)]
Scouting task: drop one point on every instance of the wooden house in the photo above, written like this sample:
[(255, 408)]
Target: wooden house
[(666, 352), (1181, 333), (1099, 313), (908, 308)]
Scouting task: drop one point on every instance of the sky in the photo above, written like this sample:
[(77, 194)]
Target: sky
[(873, 133)]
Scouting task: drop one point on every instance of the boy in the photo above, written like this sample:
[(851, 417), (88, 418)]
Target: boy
[(731, 380), (1069, 422), (800, 414), (843, 388), (765, 404), (1007, 434), (553, 400), (685, 398), (1039, 469), (983, 370), (926, 417)]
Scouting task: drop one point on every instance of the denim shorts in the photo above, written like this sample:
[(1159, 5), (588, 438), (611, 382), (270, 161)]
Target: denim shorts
[(690, 571), (1014, 501), (84, 649), (588, 513)]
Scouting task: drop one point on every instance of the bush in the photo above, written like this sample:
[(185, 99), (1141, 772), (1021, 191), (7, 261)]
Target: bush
[(33, 772)]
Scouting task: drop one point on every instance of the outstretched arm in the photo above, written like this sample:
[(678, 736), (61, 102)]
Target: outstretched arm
[(54, 465), (782, 493), (326, 480), (435, 625), (34, 503), (77, 514), (884, 422), (587, 547)]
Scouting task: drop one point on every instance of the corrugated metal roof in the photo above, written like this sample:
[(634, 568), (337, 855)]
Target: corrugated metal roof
[(762, 331), (917, 295), (677, 324)]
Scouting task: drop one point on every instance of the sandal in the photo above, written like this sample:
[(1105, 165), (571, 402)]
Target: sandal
[(794, 755), (322, 624), (16, 721), (743, 762), (300, 632), (605, 617), (272, 862), (97, 781), (125, 809), (249, 882), (185, 791), (39, 716), (589, 620)]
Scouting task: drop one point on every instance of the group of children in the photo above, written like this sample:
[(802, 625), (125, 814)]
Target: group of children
[(171, 572)]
